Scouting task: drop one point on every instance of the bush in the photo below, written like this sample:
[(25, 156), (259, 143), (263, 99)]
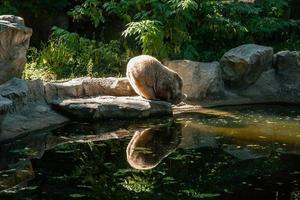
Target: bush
[(195, 29), (68, 55)]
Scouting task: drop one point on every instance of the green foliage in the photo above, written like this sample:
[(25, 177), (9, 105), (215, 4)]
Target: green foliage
[(69, 55), (89, 9), (138, 184), (161, 31), (199, 29), (150, 36), (176, 29)]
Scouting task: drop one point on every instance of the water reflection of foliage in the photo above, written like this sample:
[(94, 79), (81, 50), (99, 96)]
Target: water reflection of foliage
[(184, 174), (99, 170)]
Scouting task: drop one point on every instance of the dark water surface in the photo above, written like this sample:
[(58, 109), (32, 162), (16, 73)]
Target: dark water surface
[(244, 152)]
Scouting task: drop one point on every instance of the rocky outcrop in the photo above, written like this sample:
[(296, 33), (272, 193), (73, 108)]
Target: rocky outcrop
[(88, 87), (25, 108), (287, 60), (265, 88), (251, 74), (111, 107), (279, 84), (200, 80), (14, 39), (243, 65), (287, 64), (28, 105), (16, 90)]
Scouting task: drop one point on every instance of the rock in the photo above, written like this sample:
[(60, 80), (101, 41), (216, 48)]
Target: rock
[(5, 104), (22, 93), (14, 39), (87, 87), (15, 90), (200, 80), (192, 138), (281, 84), (243, 65), (36, 91), (109, 107), (266, 87), (26, 107), (31, 118), (287, 64), (107, 86), (285, 60)]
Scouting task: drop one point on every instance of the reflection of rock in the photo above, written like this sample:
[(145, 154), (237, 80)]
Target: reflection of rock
[(245, 153), (109, 107), (148, 147), (243, 65), (200, 80), (19, 173), (193, 138), (14, 39), (53, 141)]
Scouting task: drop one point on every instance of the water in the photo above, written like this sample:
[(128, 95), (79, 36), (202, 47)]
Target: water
[(245, 152)]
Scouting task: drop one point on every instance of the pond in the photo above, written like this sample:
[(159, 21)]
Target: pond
[(237, 152)]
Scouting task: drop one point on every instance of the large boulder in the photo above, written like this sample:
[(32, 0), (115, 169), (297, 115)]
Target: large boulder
[(111, 107), (287, 64), (23, 108), (88, 87), (200, 80), (279, 84), (14, 39), (265, 88), (243, 65), (22, 93), (15, 90)]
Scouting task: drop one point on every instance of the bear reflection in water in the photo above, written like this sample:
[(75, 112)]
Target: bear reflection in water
[(148, 147)]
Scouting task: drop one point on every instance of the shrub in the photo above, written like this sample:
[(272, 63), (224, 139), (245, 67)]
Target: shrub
[(68, 55), (196, 29)]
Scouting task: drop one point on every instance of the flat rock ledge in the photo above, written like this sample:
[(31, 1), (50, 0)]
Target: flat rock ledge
[(112, 107)]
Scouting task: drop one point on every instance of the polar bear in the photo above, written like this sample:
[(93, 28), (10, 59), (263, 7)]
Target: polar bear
[(152, 80)]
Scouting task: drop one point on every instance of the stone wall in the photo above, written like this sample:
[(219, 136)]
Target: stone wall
[(246, 74)]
